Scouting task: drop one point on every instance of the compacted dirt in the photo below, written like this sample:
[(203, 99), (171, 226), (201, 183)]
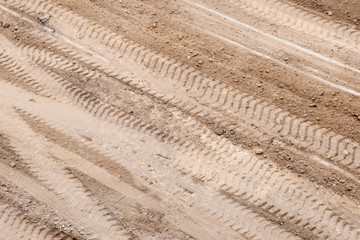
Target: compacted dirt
[(348, 10), (182, 119)]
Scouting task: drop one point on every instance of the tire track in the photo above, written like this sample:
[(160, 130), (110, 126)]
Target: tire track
[(171, 101), (245, 101), (306, 52), (253, 228), (244, 178), (20, 77), (253, 112), (51, 174), (114, 114), (251, 231), (132, 199), (164, 137), (229, 171), (190, 168), (180, 73), (302, 21), (45, 196), (168, 68), (113, 155), (15, 226), (208, 172)]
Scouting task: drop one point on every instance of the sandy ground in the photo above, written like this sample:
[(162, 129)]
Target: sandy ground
[(206, 119)]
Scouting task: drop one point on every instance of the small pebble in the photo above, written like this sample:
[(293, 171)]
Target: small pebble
[(321, 93), (219, 131), (6, 25), (346, 152), (12, 164), (259, 151), (313, 105), (44, 18), (329, 13)]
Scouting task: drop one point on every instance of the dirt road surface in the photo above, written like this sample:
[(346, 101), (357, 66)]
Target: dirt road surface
[(182, 119)]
